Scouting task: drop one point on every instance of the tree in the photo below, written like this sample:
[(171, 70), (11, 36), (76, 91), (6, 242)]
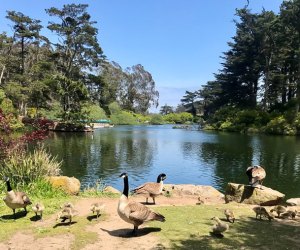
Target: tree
[(190, 102), (137, 92), (77, 54), (26, 35), (290, 18), (164, 110)]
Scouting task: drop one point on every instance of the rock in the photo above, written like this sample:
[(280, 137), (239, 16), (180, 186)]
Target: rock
[(293, 202), (70, 185), (110, 189), (206, 193), (246, 194)]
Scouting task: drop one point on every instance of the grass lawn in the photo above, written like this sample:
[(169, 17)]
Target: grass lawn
[(188, 227)]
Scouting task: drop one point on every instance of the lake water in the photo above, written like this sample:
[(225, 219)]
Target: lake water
[(185, 156)]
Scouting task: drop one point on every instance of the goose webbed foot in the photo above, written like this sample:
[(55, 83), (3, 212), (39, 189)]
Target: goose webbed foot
[(134, 231)]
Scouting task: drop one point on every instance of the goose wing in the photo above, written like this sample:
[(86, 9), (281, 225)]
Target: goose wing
[(148, 187), (139, 213), (258, 173), (23, 197)]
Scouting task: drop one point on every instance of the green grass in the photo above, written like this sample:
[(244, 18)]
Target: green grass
[(188, 228), (52, 198)]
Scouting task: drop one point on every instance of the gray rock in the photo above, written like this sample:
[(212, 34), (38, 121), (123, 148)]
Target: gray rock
[(205, 193), (246, 194), (293, 202)]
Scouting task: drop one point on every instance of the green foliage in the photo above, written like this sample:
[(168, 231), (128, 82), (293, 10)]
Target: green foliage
[(123, 118), (157, 119), (227, 125), (280, 126), (179, 118), (7, 106), (143, 119), (114, 108), (53, 113), (93, 111), (31, 112), (24, 168)]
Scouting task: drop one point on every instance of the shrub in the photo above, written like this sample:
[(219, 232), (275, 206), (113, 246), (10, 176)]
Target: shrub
[(279, 125), (123, 118), (94, 112), (114, 108), (25, 167), (157, 119)]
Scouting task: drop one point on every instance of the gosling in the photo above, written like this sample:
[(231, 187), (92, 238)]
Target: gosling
[(229, 215), (67, 204), (67, 213), (279, 210), (38, 208), (219, 228), (261, 211), (97, 208), (289, 214)]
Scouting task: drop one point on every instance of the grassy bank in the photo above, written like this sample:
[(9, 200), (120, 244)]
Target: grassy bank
[(188, 227)]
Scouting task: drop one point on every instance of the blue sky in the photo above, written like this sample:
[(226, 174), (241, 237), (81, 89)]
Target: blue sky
[(178, 41)]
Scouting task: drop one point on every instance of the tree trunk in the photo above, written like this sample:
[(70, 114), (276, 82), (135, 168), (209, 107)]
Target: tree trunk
[(2, 73)]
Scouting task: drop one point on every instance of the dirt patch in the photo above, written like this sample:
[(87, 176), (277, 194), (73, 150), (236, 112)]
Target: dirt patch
[(28, 242)]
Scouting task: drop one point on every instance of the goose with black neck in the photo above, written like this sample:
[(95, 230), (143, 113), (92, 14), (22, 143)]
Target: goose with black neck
[(133, 212)]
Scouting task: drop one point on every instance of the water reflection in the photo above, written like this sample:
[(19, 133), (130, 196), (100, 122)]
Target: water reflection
[(195, 157)]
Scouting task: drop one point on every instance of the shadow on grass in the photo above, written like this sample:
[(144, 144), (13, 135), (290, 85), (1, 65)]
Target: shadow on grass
[(127, 233), (36, 218), (248, 233), (64, 224), (18, 215), (93, 217)]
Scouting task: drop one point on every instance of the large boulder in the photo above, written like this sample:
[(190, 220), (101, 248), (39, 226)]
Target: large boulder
[(206, 193), (112, 190), (249, 195), (293, 202), (70, 185)]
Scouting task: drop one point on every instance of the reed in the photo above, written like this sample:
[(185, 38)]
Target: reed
[(25, 168)]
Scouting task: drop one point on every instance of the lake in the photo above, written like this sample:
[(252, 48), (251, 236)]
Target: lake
[(185, 156)]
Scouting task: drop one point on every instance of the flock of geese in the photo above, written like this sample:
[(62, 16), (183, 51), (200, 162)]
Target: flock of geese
[(137, 213)]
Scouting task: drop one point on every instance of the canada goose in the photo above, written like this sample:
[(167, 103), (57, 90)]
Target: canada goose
[(133, 212), (67, 213), (278, 209), (97, 208), (15, 199), (151, 189), (256, 175), (38, 208), (220, 227), (229, 215), (261, 211)]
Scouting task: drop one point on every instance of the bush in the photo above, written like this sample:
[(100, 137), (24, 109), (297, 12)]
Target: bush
[(280, 126), (114, 108), (123, 118), (94, 112), (157, 119), (25, 167), (179, 118)]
